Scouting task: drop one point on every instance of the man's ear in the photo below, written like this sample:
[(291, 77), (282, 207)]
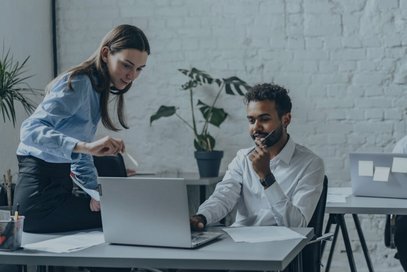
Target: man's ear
[(104, 53), (286, 119)]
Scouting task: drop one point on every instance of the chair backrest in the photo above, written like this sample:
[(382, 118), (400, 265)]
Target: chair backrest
[(311, 255), (110, 166)]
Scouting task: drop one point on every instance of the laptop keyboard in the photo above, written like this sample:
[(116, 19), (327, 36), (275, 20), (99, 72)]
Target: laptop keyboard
[(198, 238)]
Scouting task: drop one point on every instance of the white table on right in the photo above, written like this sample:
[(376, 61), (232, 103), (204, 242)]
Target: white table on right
[(356, 205)]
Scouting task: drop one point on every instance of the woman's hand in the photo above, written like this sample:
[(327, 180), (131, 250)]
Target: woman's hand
[(94, 205), (131, 172), (106, 146)]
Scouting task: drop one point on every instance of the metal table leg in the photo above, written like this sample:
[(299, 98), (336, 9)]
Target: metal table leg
[(340, 218), (331, 251), (363, 242)]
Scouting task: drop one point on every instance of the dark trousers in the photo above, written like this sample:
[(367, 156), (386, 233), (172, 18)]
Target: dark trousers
[(401, 239), (44, 195)]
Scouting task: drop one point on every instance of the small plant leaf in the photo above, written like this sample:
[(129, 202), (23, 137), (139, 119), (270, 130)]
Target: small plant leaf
[(197, 75), (163, 111), (204, 142), (215, 116), (235, 85), (189, 85)]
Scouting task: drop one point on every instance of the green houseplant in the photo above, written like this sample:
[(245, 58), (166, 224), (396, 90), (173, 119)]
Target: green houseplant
[(204, 142), (13, 88)]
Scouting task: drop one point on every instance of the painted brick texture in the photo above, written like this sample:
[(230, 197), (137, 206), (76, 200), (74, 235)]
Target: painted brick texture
[(343, 62)]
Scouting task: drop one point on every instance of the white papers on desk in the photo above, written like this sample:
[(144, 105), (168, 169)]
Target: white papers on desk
[(257, 234), (69, 243), (93, 193), (338, 194)]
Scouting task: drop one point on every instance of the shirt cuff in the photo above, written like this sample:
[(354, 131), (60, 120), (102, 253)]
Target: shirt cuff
[(70, 144), (275, 194)]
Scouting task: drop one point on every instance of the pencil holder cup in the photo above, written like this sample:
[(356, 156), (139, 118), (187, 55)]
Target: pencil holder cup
[(11, 232)]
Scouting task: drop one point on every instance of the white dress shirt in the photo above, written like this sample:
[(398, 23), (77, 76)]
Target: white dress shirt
[(290, 201), (401, 146)]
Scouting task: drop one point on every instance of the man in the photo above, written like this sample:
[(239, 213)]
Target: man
[(278, 182), (400, 235)]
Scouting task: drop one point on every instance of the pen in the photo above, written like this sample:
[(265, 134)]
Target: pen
[(264, 139), (16, 212), (133, 160)]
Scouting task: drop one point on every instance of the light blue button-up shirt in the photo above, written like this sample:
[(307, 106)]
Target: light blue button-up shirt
[(290, 201), (65, 117)]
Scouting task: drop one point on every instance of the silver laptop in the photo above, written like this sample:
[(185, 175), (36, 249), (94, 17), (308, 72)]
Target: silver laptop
[(151, 211), (379, 174)]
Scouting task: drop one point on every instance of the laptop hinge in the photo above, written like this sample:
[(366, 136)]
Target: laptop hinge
[(99, 189)]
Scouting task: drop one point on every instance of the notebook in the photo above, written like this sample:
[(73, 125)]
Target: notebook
[(379, 174), (150, 211)]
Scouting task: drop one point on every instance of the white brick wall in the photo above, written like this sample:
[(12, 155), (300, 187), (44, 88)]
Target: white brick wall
[(25, 29), (343, 61)]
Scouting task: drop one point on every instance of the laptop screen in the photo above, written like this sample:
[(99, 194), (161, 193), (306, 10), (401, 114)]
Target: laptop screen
[(379, 174), (145, 211)]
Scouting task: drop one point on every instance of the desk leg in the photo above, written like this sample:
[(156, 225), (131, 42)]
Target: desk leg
[(41, 268), (202, 194), (331, 251), (341, 221), (363, 242)]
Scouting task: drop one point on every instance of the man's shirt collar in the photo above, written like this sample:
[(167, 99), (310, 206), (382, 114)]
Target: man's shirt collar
[(287, 152)]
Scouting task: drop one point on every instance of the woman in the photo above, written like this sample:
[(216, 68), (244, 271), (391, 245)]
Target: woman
[(57, 140)]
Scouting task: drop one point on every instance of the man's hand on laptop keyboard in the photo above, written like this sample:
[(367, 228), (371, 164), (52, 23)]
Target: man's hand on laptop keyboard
[(198, 222)]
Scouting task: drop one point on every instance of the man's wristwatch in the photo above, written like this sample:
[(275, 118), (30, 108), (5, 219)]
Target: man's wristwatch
[(202, 217), (268, 180)]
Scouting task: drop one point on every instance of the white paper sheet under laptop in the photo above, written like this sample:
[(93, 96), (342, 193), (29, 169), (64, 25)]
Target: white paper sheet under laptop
[(151, 211), (379, 174)]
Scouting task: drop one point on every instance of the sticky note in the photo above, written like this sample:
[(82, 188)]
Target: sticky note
[(399, 165), (366, 168), (381, 174)]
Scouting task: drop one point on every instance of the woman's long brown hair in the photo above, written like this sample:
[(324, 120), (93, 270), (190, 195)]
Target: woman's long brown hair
[(119, 38)]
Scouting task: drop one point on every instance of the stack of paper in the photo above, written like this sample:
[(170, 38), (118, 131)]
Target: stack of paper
[(338, 194), (257, 234), (69, 243)]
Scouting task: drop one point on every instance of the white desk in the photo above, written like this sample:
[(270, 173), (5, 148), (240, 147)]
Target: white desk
[(358, 205), (221, 254)]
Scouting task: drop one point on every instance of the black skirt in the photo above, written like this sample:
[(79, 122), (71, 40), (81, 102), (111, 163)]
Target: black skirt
[(44, 195)]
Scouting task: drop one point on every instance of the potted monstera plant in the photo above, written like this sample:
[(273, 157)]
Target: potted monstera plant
[(208, 158), (13, 88)]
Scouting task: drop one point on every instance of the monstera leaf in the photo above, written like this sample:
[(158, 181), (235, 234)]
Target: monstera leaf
[(163, 111), (214, 116)]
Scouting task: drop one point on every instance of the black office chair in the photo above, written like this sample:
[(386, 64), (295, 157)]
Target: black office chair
[(390, 233), (110, 166), (311, 255)]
